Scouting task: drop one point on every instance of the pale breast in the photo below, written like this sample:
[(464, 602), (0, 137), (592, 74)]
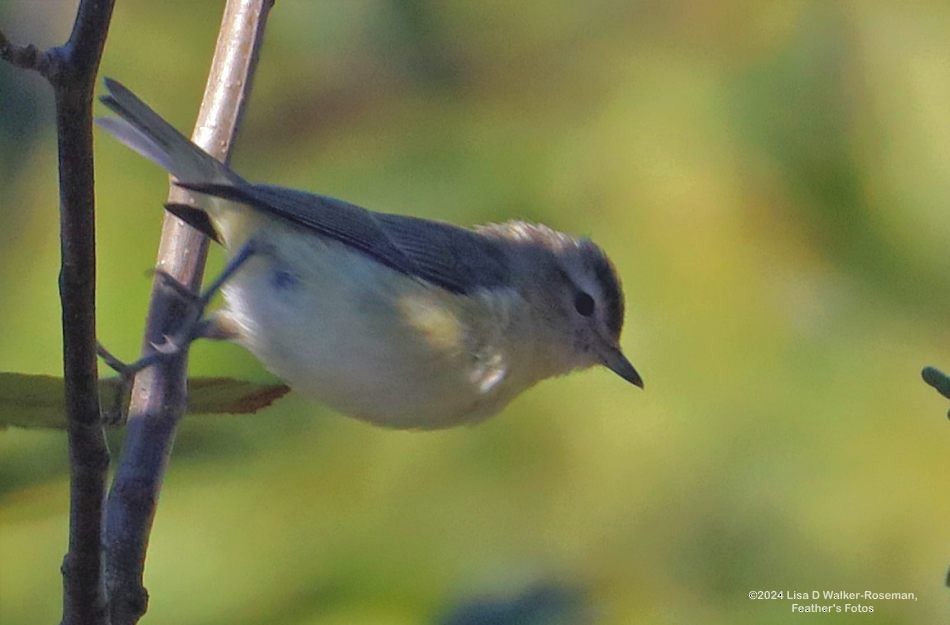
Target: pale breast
[(371, 342)]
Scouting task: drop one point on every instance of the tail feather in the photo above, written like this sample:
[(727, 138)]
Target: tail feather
[(146, 132)]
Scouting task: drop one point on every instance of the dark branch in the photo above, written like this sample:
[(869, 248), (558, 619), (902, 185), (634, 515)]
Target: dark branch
[(937, 379), (158, 397), (71, 69), (84, 599), (84, 48), (27, 57)]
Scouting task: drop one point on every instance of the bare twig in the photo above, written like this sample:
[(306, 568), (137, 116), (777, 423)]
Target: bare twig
[(158, 397), (26, 57), (71, 69), (937, 379)]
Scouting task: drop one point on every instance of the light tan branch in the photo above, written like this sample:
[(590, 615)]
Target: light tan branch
[(158, 397)]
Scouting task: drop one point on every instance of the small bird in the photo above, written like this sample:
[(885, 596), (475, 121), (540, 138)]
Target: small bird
[(395, 320)]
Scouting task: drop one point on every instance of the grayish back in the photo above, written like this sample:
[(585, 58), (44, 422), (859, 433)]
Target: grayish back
[(454, 258)]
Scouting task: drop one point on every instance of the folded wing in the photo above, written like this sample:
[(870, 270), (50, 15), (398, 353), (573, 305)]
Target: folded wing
[(454, 258)]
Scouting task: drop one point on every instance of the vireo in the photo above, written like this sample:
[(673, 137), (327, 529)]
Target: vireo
[(400, 321)]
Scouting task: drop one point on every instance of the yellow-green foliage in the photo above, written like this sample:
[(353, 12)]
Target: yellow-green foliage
[(773, 180)]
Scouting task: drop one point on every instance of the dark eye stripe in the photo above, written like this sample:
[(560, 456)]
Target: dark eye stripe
[(612, 292)]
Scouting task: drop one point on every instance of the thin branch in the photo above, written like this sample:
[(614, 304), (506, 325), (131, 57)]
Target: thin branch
[(158, 397), (71, 69), (937, 379), (84, 599), (26, 57)]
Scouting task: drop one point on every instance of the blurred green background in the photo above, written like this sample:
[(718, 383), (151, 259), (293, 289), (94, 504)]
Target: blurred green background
[(773, 181)]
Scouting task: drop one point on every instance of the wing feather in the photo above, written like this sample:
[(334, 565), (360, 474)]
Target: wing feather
[(454, 258)]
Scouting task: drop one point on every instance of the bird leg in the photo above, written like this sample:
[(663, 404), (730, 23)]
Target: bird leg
[(196, 325)]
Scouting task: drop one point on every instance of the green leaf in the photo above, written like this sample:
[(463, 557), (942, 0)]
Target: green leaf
[(37, 401)]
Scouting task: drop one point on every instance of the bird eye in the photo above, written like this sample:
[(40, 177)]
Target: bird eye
[(584, 304)]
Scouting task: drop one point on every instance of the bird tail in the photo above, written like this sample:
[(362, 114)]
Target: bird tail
[(146, 132)]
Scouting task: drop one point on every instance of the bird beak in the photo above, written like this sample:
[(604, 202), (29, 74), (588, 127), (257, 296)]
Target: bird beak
[(615, 361)]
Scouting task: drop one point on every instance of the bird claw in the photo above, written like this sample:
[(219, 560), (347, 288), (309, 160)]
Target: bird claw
[(162, 352), (180, 289), (195, 326), (114, 363), (168, 346)]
